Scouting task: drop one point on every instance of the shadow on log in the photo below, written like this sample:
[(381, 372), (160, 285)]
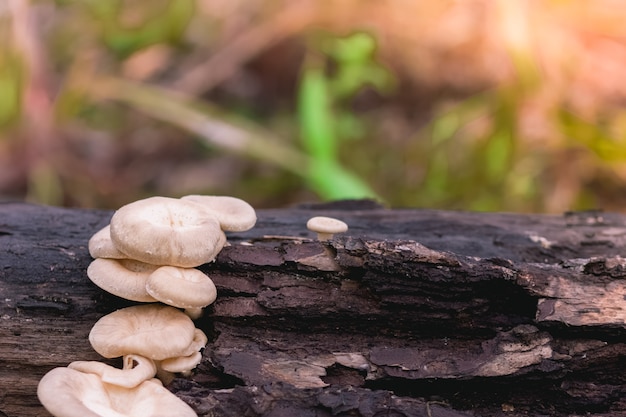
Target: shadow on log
[(409, 313)]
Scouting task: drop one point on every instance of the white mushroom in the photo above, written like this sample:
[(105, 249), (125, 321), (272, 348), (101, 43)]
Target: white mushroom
[(326, 227), (184, 364), (155, 331), (125, 278), (187, 288), (234, 214), (66, 392), (199, 342), (167, 231), (101, 245), (136, 369)]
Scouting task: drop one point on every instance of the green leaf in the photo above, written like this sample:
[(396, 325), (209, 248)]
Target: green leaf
[(10, 91), (358, 47), (444, 127), (164, 26), (332, 182), (594, 137), (314, 111), (497, 155)]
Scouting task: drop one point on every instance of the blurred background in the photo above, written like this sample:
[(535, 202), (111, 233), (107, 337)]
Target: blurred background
[(493, 105)]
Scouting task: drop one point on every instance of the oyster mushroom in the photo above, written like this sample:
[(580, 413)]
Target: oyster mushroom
[(326, 227), (187, 288), (185, 363), (167, 231), (125, 278), (234, 214), (67, 392), (136, 370), (101, 246), (154, 331)]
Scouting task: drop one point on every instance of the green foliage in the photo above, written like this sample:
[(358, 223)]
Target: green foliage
[(460, 152), (356, 67), (325, 116), (595, 137), (316, 119), (467, 168), (152, 22), (11, 89)]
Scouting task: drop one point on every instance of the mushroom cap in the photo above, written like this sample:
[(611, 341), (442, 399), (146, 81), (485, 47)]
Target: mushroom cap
[(137, 369), (181, 363), (199, 342), (66, 392), (155, 331), (234, 214), (189, 359), (125, 278), (167, 231), (321, 224), (181, 287), (101, 245)]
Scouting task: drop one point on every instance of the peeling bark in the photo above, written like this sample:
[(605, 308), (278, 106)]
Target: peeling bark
[(409, 313)]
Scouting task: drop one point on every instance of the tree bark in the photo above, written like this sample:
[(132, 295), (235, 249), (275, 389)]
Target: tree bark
[(409, 313)]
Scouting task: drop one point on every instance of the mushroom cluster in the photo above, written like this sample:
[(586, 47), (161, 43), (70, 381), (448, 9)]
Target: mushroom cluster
[(148, 253)]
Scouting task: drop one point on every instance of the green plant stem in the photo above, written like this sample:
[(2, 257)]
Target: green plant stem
[(317, 127)]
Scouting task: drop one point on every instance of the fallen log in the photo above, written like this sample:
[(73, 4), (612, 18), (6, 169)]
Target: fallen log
[(409, 313)]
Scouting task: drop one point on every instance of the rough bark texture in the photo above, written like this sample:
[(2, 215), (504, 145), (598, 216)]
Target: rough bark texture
[(410, 313)]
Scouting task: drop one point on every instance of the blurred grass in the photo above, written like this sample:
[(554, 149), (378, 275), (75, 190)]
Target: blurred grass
[(322, 112), (518, 108)]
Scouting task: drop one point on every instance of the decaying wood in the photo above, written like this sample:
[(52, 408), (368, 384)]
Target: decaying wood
[(410, 313)]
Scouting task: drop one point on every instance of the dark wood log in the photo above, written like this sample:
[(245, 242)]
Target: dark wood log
[(409, 313)]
